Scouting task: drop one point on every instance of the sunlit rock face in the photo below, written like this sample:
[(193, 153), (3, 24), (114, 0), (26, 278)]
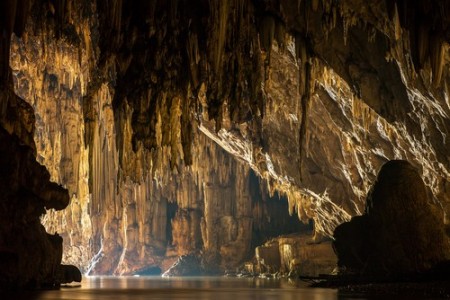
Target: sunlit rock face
[(401, 231), (136, 103)]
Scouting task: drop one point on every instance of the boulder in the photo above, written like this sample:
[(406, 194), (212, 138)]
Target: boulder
[(350, 244), (401, 232), (68, 274)]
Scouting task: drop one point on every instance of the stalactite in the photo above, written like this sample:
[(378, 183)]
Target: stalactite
[(302, 57), (223, 12), (396, 20), (437, 57), (267, 33), (154, 71), (423, 43), (280, 34), (304, 91), (115, 18), (194, 58), (186, 131), (175, 131)]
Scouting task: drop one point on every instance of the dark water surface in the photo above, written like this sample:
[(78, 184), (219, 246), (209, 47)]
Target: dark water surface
[(216, 288)]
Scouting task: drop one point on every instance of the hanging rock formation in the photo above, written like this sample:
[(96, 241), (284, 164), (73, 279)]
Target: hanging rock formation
[(401, 231), (157, 116)]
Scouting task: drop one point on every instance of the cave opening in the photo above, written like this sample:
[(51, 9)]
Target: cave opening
[(271, 215)]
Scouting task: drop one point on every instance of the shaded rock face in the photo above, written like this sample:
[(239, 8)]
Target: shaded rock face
[(29, 256), (67, 274), (401, 231), (135, 101)]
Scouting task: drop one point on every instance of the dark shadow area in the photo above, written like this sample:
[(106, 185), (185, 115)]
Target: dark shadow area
[(271, 214), (172, 208), (149, 271)]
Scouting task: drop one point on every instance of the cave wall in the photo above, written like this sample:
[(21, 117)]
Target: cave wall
[(133, 107), (116, 224)]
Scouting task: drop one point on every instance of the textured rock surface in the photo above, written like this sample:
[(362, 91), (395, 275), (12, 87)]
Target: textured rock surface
[(294, 255), (401, 231), (314, 96), (186, 265)]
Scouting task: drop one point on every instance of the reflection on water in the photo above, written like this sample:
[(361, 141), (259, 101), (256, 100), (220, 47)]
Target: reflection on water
[(216, 288)]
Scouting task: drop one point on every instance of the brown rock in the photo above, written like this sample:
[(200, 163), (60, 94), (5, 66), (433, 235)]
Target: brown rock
[(268, 257), (295, 254), (115, 104), (401, 232)]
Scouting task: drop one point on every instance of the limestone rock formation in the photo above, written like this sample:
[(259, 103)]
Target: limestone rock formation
[(158, 116), (294, 255), (401, 231)]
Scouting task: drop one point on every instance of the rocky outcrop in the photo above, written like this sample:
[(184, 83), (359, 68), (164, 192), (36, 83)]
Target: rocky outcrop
[(401, 231), (293, 255), (29, 256), (186, 265), (67, 274)]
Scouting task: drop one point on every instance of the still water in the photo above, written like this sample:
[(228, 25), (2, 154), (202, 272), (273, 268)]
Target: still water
[(216, 288)]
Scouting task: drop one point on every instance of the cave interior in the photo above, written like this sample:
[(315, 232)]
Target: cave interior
[(289, 136)]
